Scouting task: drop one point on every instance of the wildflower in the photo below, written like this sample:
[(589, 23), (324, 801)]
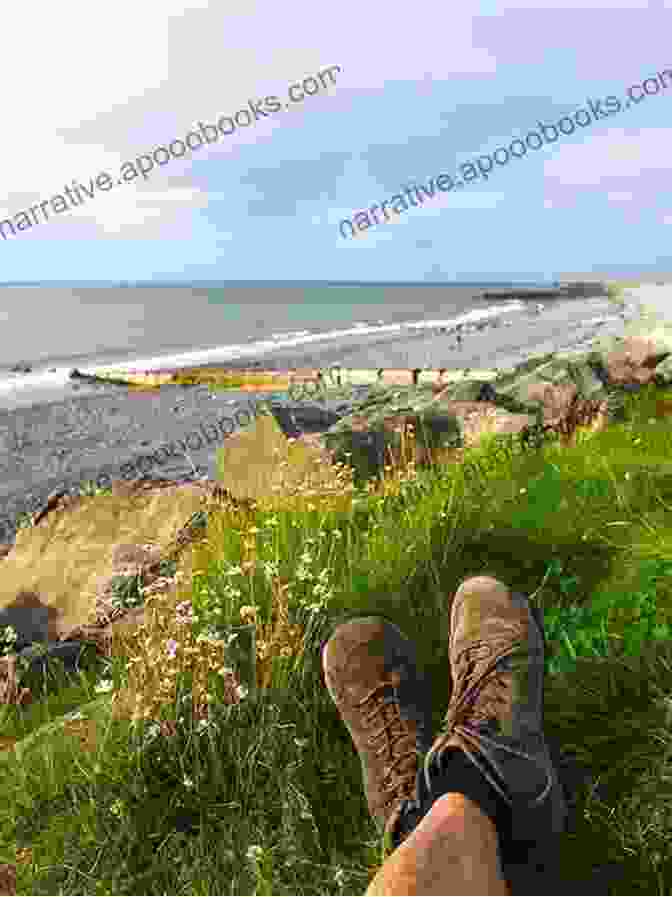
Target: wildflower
[(241, 692), (270, 570), (188, 783), (117, 808), (301, 742), (254, 853), (153, 731), (104, 685), (172, 648), (10, 633)]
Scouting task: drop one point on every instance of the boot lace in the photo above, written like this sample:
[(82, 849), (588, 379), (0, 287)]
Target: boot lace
[(398, 740), (480, 700)]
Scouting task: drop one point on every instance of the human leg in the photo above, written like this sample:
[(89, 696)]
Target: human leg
[(452, 850), (491, 750)]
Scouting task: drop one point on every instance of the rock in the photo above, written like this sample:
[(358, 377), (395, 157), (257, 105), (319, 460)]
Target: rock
[(58, 585), (7, 879), (32, 620), (21, 368), (68, 652), (297, 419), (53, 500), (251, 463), (557, 392)]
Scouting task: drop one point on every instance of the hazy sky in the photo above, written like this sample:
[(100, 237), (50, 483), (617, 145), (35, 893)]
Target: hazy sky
[(422, 88)]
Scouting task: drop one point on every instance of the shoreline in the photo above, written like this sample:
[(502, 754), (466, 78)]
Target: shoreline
[(71, 439), (355, 344)]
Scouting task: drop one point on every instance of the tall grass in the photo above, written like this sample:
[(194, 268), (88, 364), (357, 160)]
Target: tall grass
[(205, 789)]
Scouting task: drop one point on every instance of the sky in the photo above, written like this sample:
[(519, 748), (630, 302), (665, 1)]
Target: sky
[(418, 89)]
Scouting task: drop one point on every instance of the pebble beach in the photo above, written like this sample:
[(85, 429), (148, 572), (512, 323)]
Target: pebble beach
[(58, 444)]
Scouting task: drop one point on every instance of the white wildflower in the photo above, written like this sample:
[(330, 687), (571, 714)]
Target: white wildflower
[(339, 876), (254, 853)]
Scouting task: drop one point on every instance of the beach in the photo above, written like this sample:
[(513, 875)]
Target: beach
[(58, 443)]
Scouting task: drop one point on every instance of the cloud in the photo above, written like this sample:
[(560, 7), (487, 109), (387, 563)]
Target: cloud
[(616, 155), (128, 212)]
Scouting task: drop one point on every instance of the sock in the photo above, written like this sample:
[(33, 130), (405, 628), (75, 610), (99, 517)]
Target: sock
[(459, 774), (456, 774)]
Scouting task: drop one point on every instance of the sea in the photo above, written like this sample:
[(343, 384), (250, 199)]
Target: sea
[(48, 329)]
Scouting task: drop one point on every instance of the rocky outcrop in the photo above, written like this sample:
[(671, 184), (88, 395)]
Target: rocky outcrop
[(550, 394), (569, 290), (59, 581)]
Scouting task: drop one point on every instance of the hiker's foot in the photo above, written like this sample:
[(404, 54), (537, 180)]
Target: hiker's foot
[(370, 672), (495, 715)]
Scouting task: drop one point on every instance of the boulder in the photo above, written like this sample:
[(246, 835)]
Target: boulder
[(258, 463), (8, 879), (301, 418), (557, 393), (58, 581)]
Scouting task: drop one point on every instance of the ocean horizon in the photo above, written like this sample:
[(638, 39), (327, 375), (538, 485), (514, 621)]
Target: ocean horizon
[(51, 328)]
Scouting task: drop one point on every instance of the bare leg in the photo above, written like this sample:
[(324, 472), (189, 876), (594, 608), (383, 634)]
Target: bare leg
[(453, 850)]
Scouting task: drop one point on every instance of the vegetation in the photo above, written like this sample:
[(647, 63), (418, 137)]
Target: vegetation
[(265, 796)]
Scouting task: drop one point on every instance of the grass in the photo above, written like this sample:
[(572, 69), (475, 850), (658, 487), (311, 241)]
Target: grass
[(265, 795)]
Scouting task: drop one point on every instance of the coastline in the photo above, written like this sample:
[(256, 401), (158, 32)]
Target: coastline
[(63, 442)]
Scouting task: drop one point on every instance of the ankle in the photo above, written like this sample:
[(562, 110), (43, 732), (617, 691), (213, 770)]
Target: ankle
[(458, 837), (455, 811)]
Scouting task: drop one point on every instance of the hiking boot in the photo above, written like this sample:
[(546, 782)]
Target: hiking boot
[(495, 715), (370, 672)]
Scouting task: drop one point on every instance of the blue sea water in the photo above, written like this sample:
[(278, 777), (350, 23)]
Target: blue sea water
[(52, 328)]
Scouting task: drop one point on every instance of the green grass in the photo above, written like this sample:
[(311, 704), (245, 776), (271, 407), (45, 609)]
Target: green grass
[(270, 800)]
